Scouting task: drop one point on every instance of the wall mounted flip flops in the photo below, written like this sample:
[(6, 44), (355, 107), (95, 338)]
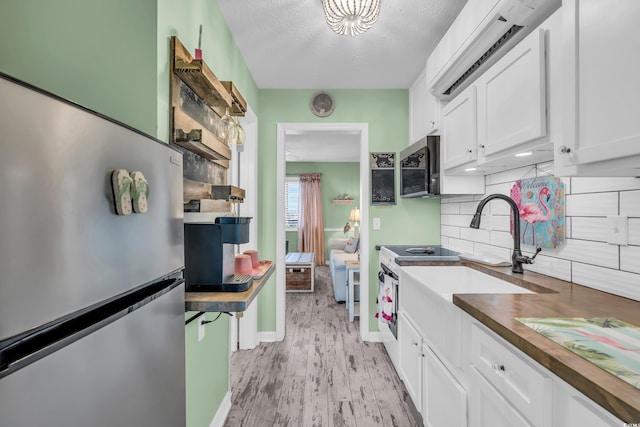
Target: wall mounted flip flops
[(139, 192), (121, 186)]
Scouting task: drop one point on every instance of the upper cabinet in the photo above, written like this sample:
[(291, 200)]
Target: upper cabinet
[(459, 119), (512, 98), (424, 110), (602, 127), (517, 108)]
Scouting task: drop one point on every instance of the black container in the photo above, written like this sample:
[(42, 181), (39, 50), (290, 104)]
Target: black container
[(235, 229)]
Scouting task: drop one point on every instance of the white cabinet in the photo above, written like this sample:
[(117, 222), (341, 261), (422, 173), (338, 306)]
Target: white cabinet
[(512, 98), (525, 386), (574, 409), (410, 343), (602, 130), (444, 399), (489, 408), (424, 110), (459, 137)]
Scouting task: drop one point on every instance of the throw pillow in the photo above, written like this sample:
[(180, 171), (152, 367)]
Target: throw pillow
[(352, 245)]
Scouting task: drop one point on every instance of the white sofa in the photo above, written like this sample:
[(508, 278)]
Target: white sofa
[(337, 257)]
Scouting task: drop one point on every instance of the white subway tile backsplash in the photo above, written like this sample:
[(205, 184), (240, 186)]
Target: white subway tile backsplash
[(468, 208), (493, 251), (585, 228), (588, 252), (598, 204), (511, 175), (584, 257), (606, 279), (504, 188), (502, 239), (630, 258), (549, 266), (600, 184), (461, 220), (630, 203), (500, 222), (634, 231), (450, 231), (482, 236), (460, 245), (450, 208)]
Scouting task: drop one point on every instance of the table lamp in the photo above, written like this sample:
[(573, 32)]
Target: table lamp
[(354, 216)]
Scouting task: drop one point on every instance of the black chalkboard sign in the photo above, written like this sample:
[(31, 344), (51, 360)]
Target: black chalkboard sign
[(383, 178)]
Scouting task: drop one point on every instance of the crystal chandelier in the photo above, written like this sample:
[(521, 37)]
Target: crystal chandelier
[(351, 17)]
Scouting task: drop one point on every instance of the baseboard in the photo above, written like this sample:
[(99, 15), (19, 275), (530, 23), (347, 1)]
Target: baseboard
[(223, 410), (372, 337), (268, 336)]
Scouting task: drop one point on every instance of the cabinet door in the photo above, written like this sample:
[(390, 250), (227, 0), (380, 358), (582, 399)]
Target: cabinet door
[(489, 408), (418, 100), (574, 409), (444, 399), (511, 98), (410, 344), (601, 78), (459, 137)]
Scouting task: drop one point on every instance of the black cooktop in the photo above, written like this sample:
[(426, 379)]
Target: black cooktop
[(423, 253)]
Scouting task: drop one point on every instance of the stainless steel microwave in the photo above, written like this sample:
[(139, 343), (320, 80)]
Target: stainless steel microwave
[(420, 168)]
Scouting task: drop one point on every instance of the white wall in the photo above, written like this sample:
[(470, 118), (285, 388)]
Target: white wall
[(584, 257)]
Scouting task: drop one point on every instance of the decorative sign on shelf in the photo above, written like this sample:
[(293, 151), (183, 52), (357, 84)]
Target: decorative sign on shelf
[(541, 205), (383, 178)]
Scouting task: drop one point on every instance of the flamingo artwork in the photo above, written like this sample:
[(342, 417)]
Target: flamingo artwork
[(532, 213)]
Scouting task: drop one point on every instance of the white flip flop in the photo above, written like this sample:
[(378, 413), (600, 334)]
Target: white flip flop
[(121, 186), (139, 192)]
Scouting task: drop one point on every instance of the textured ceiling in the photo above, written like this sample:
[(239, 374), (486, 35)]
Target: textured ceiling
[(287, 44)]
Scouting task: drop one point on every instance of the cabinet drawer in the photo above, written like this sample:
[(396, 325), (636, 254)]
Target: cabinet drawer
[(519, 381)]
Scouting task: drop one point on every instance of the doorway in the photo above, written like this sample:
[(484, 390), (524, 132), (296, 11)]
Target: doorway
[(286, 131)]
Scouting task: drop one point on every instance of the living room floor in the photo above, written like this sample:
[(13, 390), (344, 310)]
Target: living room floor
[(322, 374)]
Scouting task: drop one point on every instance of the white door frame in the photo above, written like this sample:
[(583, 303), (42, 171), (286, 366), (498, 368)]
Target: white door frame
[(363, 130)]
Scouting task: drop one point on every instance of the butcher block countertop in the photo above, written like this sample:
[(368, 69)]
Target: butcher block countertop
[(226, 301), (560, 299)]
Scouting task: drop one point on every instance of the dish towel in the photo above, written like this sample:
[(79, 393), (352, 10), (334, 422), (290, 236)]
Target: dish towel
[(386, 298)]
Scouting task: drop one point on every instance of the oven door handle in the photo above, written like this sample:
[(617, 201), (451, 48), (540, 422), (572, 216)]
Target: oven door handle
[(387, 271)]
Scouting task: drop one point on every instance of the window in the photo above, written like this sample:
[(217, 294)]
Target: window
[(292, 202)]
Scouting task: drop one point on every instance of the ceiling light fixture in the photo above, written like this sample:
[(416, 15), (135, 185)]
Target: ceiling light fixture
[(526, 153), (351, 17)]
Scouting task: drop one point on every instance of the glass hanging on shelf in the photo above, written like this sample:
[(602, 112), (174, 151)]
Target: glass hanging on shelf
[(226, 128)]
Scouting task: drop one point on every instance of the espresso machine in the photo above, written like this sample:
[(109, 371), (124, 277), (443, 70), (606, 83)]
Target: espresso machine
[(209, 255)]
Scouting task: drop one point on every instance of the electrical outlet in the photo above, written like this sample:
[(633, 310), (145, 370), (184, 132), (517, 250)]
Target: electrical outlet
[(618, 233), (376, 223), (201, 325)]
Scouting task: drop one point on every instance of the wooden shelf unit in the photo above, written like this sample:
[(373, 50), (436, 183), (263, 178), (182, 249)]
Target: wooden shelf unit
[(238, 104), (196, 74)]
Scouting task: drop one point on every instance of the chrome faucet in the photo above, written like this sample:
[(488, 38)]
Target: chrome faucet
[(517, 259)]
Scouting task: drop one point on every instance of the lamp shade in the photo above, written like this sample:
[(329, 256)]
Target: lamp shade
[(351, 17), (355, 214)]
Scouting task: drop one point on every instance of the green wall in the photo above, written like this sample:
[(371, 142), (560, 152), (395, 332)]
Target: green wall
[(411, 221), (207, 369), (182, 18), (337, 178), (99, 54)]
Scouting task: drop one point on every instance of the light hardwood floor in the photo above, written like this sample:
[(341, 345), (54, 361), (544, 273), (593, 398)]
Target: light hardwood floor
[(322, 374)]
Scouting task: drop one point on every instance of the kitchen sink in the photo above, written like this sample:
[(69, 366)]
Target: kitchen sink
[(426, 296), (446, 281)]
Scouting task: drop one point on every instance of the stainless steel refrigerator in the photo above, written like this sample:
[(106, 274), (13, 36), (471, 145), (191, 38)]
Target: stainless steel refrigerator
[(91, 302)]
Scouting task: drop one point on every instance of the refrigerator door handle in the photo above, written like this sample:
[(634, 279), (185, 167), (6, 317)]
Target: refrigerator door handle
[(23, 350)]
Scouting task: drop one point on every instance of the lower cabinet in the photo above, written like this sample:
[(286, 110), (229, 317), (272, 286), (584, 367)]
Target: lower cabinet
[(410, 343), (574, 409), (489, 408), (444, 400)]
